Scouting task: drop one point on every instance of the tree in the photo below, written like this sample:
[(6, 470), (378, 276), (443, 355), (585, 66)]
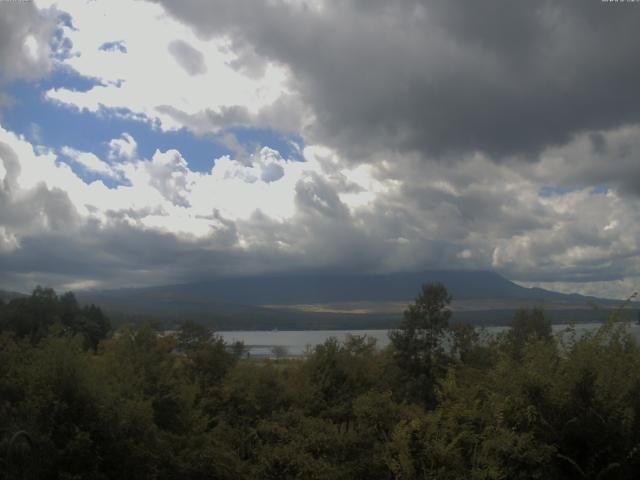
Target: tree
[(279, 351), (464, 341), (33, 317), (527, 326), (91, 323), (418, 340), (206, 353), (192, 335)]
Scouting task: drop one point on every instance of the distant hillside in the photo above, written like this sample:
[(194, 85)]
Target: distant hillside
[(338, 300), (6, 296), (331, 288)]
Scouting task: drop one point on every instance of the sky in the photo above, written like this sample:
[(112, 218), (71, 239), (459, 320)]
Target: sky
[(173, 141)]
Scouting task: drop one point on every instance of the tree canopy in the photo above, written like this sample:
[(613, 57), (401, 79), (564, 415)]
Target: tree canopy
[(143, 404), (418, 340)]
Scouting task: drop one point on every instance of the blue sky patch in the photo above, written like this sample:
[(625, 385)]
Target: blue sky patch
[(60, 45), (600, 189), (46, 122), (116, 46), (555, 191)]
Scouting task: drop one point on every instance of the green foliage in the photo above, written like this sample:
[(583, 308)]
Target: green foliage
[(207, 357), (439, 403), (35, 317), (527, 326), (418, 342)]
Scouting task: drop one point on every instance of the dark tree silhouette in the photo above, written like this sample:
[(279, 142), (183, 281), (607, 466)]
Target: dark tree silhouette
[(418, 340)]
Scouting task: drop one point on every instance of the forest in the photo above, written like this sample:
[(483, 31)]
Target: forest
[(79, 400)]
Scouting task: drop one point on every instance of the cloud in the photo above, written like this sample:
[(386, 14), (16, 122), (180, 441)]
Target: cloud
[(185, 82), (28, 207), (25, 35), (164, 223), (169, 173), (89, 161), (124, 147), (315, 196), (162, 218), (188, 57), (435, 135), (439, 77), (115, 46), (600, 159)]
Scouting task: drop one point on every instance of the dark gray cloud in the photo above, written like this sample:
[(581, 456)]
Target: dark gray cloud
[(599, 159), (442, 77), (190, 59), (317, 197)]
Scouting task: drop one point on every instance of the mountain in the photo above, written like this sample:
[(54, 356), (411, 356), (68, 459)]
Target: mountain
[(330, 288), (338, 300), (7, 296)]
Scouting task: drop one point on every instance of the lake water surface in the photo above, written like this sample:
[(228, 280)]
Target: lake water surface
[(296, 342)]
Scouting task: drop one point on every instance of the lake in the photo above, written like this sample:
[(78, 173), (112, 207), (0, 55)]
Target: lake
[(296, 342)]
